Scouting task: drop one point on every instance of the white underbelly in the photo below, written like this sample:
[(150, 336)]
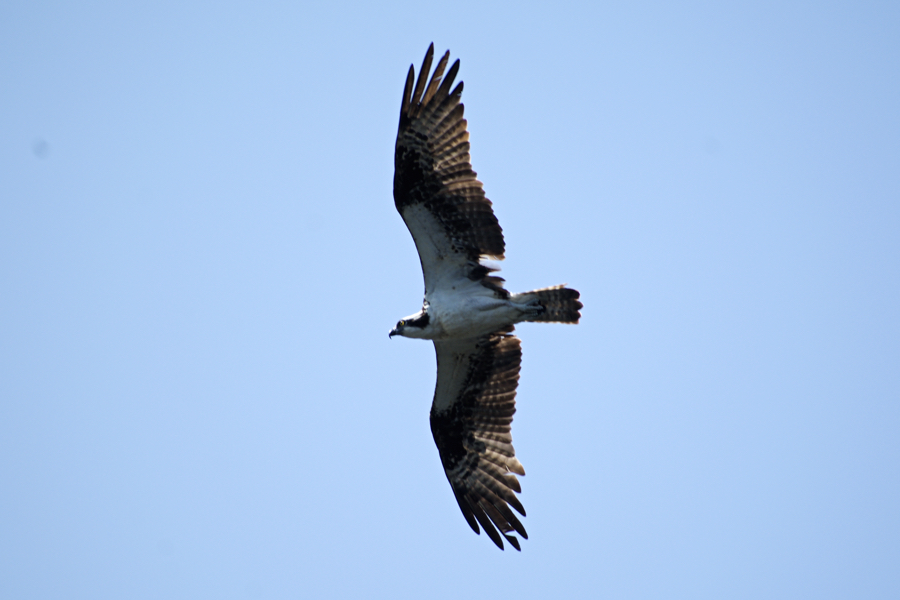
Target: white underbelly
[(469, 312)]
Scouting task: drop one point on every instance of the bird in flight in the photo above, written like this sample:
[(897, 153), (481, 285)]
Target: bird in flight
[(466, 312)]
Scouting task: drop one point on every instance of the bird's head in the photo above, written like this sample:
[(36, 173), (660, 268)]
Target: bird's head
[(415, 326)]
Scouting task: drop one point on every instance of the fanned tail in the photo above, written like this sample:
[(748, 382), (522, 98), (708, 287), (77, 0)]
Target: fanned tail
[(560, 304)]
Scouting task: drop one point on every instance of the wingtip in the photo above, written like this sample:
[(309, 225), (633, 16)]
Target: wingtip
[(513, 541)]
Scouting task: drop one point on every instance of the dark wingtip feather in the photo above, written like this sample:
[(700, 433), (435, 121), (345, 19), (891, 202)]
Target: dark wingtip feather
[(486, 524), (436, 78), (451, 75), (407, 92), (467, 513), (423, 74)]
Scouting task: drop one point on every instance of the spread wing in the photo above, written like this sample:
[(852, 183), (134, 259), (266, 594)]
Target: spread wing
[(435, 188), (473, 408)]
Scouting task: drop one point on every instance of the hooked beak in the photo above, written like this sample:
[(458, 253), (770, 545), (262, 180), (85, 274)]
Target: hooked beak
[(393, 333)]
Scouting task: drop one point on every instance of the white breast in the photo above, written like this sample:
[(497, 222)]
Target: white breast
[(467, 309)]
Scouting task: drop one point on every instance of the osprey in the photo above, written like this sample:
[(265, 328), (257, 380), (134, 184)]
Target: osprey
[(466, 312)]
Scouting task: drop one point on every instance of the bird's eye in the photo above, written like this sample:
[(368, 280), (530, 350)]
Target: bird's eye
[(401, 323)]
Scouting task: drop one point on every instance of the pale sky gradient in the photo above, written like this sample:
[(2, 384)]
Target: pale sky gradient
[(200, 261)]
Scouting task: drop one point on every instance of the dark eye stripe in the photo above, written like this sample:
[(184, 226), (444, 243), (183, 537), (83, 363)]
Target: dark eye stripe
[(419, 322)]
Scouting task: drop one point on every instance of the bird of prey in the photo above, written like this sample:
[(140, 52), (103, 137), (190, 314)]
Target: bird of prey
[(467, 313)]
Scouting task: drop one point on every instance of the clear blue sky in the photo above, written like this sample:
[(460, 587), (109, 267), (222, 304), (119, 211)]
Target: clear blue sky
[(200, 262)]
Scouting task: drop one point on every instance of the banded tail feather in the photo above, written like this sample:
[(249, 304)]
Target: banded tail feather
[(560, 304)]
